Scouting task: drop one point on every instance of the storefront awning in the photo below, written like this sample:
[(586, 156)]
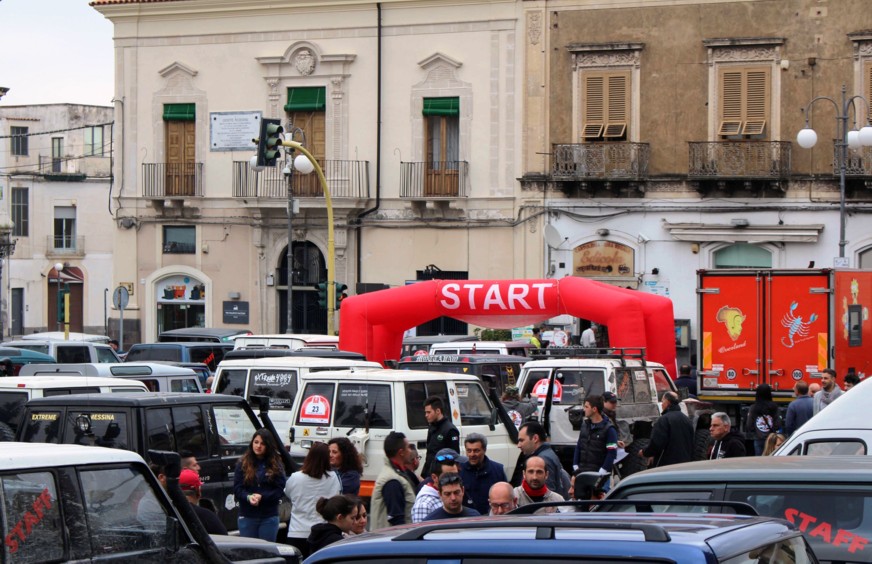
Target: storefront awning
[(703, 233), (71, 274)]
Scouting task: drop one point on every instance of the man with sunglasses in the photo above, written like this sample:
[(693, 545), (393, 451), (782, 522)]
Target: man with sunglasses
[(428, 499), (451, 493)]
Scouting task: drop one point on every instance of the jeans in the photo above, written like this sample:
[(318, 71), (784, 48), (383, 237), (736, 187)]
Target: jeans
[(265, 528), (759, 446)]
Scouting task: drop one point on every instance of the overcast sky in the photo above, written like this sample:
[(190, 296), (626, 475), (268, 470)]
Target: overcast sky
[(55, 51)]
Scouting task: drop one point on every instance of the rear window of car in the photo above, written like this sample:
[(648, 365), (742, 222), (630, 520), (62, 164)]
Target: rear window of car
[(43, 426), (184, 385), (210, 356), (231, 381), (72, 354), (67, 391), (358, 404), (138, 354), (836, 447), (34, 530), (280, 386)]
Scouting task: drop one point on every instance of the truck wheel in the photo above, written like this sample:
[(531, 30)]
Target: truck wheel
[(633, 463), (700, 444), (6, 433)]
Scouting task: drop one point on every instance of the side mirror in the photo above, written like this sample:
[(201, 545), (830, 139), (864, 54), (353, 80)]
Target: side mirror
[(171, 535), (495, 416), (292, 434)]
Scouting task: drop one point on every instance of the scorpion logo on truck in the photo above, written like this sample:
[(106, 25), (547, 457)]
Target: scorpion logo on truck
[(796, 326)]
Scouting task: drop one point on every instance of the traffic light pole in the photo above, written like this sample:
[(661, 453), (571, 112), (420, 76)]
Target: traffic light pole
[(331, 243)]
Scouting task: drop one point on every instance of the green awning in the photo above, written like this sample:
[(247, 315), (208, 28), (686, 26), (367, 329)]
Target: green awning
[(179, 112), (441, 106), (309, 99)]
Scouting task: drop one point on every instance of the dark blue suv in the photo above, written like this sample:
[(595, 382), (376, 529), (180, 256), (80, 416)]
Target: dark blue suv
[(580, 536)]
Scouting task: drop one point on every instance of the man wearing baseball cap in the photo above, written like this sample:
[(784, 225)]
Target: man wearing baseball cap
[(610, 410), (190, 483)]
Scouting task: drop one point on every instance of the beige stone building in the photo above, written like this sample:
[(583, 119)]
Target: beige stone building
[(56, 187), (410, 107), (660, 138)]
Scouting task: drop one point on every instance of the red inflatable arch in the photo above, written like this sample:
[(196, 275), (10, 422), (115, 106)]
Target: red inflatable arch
[(374, 323)]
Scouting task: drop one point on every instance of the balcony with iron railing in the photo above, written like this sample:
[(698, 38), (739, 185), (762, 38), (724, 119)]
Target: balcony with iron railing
[(435, 180), (345, 180), (858, 162), (619, 161), (64, 246), (739, 160), (172, 180)]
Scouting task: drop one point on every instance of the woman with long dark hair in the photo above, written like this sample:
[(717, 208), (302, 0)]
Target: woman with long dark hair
[(304, 488), (345, 461), (258, 483), (763, 417), (338, 512)]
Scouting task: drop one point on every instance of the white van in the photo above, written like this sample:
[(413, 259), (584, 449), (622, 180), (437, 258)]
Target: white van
[(289, 341), (366, 405), (156, 377), (15, 391), (278, 378), (842, 428), (519, 348), (68, 351)]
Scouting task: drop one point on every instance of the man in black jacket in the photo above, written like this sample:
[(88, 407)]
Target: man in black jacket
[(671, 437), (441, 434), (728, 442)]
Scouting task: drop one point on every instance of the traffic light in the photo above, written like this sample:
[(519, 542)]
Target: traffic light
[(269, 142), (340, 294), (322, 294)]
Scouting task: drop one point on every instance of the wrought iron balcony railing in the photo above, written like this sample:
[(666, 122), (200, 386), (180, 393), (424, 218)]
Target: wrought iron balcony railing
[(739, 159), (434, 180), (172, 180), (600, 161), (345, 179), (857, 164)]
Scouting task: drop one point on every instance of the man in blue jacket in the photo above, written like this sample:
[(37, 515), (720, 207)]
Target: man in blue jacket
[(800, 410), (479, 473)]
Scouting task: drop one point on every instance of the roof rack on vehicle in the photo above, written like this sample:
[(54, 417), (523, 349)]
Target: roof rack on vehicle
[(544, 530), (641, 505), (619, 353)]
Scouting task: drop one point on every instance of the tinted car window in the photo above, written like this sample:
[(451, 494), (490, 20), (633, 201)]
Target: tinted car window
[(474, 407), (73, 354), (123, 513), (661, 381), (190, 430), (578, 384), (355, 403), (837, 522), (232, 381), (416, 393), (672, 495), (108, 429), (159, 428), (141, 354), (210, 356), (11, 407), (43, 427), (280, 386), (234, 428), (105, 354), (33, 526), (788, 551), (68, 391)]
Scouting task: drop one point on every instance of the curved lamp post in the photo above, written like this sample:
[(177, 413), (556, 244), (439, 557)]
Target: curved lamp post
[(807, 138)]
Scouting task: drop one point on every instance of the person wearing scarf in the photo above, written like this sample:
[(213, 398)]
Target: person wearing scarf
[(533, 488)]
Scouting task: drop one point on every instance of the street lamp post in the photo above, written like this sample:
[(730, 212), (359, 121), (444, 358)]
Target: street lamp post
[(288, 171), (807, 138), (7, 247), (59, 266)]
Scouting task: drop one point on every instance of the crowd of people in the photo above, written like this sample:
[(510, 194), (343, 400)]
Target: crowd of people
[(323, 494)]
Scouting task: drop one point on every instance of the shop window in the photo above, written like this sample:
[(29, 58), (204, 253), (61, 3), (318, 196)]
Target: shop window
[(179, 240)]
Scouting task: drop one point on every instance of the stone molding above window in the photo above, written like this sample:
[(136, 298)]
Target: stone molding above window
[(605, 55)]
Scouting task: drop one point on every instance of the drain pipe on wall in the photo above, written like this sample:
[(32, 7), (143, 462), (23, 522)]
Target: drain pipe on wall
[(378, 129)]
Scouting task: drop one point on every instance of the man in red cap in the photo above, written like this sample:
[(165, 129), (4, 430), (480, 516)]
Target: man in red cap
[(190, 483)]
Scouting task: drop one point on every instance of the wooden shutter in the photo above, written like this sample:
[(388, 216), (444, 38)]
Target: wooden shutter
[(606, 104), (867, 84), (593, 116), (744, 100)]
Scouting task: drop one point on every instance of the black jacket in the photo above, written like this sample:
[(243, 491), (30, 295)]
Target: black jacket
[(210, 520), (323, 534), (731, 446), (671, 438), (442, 434)]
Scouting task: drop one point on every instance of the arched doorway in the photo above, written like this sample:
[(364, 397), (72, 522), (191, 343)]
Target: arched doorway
[(309, 268), (181, 302), (69, 278)]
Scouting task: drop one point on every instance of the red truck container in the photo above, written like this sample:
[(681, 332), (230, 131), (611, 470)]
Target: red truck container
[(779, 326)]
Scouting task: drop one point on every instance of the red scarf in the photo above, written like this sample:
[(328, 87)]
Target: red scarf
[(534, 493)]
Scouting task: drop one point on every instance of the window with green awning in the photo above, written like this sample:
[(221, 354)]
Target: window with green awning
[(308, 99), (179, 112), (442, 106)]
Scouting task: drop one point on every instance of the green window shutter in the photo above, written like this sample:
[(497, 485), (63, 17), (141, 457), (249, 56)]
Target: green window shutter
[(310, 99), (179, 112), (442, 107)]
